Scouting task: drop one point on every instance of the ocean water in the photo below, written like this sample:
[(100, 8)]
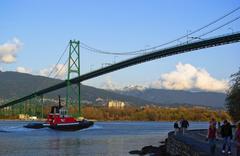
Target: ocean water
[(103, 139)]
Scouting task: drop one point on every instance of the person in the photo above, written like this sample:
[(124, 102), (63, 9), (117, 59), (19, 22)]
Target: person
[(219, 128), (226, 132), (176, 127), (237, 138), (184, 125), (213, 122), (211, 137)]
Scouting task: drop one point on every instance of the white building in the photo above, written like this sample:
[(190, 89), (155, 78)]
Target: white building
[(23, 116), (115, 104)]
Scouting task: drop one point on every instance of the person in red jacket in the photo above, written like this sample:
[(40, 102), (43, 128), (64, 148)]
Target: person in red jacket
[(211, 137), (213, 122)]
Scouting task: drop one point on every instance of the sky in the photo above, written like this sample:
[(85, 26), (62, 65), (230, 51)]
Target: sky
[(34, 34)]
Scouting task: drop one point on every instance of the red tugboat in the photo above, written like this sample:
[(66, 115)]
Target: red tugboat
[(59, 120)]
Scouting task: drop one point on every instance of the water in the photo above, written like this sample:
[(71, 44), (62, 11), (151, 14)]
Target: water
[(104, 138)]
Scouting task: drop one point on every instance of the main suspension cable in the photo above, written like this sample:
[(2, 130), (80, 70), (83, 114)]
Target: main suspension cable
[(137, 52)]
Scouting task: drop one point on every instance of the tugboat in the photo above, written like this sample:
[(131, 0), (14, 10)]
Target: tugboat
[(59, 120)]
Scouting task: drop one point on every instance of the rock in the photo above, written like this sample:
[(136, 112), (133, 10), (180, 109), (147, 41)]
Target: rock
[(136, 152), (151, 150)]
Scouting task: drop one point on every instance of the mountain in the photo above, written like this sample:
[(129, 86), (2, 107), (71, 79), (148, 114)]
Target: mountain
[(173, 97), (14, 85)]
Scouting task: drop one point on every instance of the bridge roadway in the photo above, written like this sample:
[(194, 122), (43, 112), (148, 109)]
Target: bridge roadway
[(174, 50)]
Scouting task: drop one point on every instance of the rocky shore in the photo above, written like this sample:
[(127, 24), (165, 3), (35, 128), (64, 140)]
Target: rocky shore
[(152, 150)]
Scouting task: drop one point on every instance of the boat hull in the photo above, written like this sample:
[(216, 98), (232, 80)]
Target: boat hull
[(34, 125), (72, 126), (63, 126)]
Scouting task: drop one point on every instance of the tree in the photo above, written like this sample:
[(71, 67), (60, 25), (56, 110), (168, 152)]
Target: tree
[(233, 97)]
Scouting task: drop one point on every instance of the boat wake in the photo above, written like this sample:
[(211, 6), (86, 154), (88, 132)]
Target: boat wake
[(15, 129), (96, 127), (9, 129), (92, 128)]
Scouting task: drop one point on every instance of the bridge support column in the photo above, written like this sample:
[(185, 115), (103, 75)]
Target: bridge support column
[(73, 68)]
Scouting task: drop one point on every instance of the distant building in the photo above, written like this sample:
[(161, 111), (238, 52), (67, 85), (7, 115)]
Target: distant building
[(115, 104), (27, 117), (23, 116), (32, 117)]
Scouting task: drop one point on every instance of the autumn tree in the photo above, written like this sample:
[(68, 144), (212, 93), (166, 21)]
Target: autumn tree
[(233, 97)]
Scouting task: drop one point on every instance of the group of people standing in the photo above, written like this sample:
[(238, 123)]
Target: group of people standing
[(225, 131), (215, 131), (183, 126)]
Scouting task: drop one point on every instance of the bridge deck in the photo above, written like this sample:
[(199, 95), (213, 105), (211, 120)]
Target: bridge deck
[(197, 140)]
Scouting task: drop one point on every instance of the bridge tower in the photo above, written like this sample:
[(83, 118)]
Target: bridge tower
[(73, 70)]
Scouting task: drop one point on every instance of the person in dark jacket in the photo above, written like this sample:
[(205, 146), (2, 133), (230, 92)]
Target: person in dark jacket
[(237, 138), (219, 128), (184, 125), (176, 127), (226, 132)]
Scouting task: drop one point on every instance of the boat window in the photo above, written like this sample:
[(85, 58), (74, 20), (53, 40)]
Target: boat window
[(63, 112)]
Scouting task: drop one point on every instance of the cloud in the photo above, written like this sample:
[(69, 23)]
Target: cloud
[(188, 77), (109, 84), (23, 70), (9, 50), (60, 71), (44, 72), (184, 77)]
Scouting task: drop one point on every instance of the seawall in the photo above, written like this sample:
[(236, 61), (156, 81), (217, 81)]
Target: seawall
[(187, 144)]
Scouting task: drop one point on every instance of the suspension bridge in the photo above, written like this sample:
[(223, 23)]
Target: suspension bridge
[(207, 43), (149, 54)]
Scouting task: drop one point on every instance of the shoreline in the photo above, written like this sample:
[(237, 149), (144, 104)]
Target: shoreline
[(160, 150), (106, 120)]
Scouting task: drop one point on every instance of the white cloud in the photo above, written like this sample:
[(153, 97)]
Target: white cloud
[(188, 77), (184, 77), (109, 84), (60, 71), (23, 70), (9, 50)]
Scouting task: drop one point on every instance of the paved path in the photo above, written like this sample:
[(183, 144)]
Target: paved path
[(197, 140)]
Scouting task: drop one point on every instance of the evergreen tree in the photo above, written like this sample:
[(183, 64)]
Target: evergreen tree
[(233, 97)]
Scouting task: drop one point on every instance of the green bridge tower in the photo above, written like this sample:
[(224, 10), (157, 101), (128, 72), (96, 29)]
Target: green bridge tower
[(73, 70)]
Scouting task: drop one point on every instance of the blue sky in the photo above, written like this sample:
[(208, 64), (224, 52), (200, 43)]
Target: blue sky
[(44, 28)]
